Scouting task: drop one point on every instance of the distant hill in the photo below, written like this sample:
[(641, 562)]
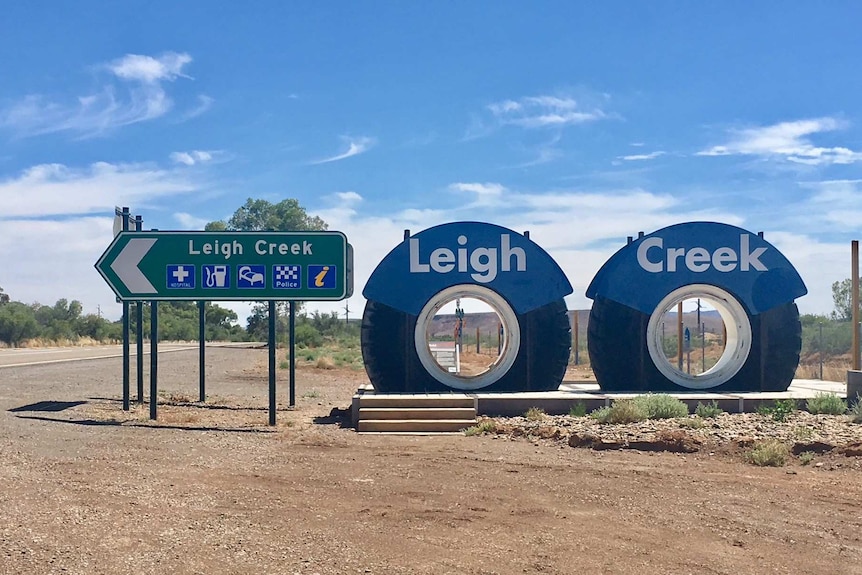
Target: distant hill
[(488, 322)]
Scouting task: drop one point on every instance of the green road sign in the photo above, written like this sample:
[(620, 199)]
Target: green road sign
[(246, 266)]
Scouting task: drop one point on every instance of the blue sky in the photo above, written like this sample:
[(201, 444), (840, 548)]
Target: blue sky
[(581, 122)]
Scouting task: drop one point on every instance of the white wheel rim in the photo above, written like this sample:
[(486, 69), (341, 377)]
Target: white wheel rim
[(737, 346), (510, 344)]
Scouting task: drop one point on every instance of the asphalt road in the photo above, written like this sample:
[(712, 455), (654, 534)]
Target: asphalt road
[(41, 356)]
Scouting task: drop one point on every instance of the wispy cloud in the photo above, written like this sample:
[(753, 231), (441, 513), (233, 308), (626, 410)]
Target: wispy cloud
[(486, 194), (193, 157), (136, 93), (190, 222), (56, 189), (355, 146), (788, 141), (542, 112), (637, 157), (203, 106)]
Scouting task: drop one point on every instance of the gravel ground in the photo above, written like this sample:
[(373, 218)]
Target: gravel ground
[(211, 489)]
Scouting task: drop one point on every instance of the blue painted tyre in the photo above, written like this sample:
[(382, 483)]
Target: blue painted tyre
[(393, 365), (624, 364), (504, 269)]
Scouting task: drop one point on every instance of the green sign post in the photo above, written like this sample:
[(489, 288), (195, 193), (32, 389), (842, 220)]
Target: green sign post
[(225, 266)]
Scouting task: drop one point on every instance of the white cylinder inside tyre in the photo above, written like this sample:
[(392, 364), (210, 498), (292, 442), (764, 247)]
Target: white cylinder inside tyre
[(509, 347), (737, 344)]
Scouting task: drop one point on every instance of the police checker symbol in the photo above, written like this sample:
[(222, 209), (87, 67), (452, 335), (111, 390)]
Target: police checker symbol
[(322, 276), (286, 276), (180, 276), (251, 277)]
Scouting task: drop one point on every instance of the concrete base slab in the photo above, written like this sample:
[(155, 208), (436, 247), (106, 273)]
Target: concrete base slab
[(588, 394)]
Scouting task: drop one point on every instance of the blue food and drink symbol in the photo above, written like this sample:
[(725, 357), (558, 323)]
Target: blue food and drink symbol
[(251, 277), (286, 277), (181, 276), (321, 276), (216, 276)]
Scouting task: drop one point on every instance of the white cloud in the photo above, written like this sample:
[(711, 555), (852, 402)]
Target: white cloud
[(789, 141), (355, 146), (636, 157), (149, 70), (486, 190), (138, 96), (55, 189), (543, 111), (190, 222), (204, 104), (348, 197), (193, 157)]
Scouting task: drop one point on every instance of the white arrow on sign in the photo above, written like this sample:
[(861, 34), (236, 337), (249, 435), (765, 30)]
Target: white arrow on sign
[(126, 265)]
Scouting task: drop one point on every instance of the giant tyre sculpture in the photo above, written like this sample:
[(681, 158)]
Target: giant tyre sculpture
[(745, 279), (489, 263)]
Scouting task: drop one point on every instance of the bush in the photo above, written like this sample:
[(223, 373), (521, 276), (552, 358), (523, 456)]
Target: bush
[(578, 410), (622, 411), (484, 426), (306, 336), (856, 411), (661, 406), (806, 457), (827, 403), (769, 453), (535, 414), (779, 410), (708, 410)]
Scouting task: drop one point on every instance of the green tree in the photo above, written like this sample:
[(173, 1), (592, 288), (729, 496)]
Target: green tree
[(17, 323), (261, 215), (841, 296), (4, 297)]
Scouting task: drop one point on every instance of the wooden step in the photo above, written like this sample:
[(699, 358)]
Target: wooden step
[(467, 413), (412, 401), (414, 425)]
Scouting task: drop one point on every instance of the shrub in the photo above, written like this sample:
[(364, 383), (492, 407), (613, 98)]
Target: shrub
[(578, 410), (622, 411), (306, 336), (691, 422), (769, 453), (856, 411), (806, 457), (535, 414), (827, 403), (484, 426), (661, 406), (779, 410), (325, 362), (709, 410)]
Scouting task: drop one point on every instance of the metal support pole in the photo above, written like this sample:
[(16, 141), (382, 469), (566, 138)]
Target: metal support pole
[(139, 331), (154, 359), (702, 347), (202, 339), (292, 349), (821, 351), (139, 346), (271, 343), (854, 301), (126, 354), (679, 335), (575, 335), (124, 213)]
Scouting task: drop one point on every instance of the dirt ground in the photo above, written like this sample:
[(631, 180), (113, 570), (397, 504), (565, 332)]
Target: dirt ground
[(211, 489)]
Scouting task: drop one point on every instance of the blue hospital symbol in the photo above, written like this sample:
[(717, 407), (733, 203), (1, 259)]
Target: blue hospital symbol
[(321, 277), (181, 276)]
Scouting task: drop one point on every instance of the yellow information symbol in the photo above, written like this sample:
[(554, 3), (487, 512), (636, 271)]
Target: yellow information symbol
[(321, 276)]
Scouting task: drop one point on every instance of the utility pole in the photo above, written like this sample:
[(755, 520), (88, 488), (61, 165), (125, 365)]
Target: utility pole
[(346, 313)]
